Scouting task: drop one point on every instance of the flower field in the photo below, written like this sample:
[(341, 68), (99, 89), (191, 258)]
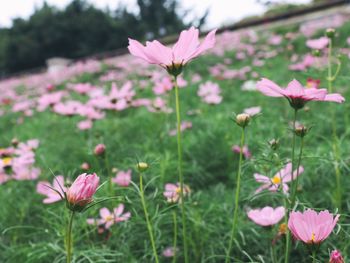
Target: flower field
[(231, 148)]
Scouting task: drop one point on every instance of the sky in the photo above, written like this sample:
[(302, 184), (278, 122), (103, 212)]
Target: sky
[(221, 11)]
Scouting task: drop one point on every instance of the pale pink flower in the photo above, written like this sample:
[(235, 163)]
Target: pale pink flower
[(44, 188), (281, 178), (184, 126), (319, 43), (210, 93), (109, 218), (81, 191), (172, 192), (169, 252), (123, 178), (266, 216), (252, 111), (187, 48), (311, 227), (246, 153), (336, 257), (85, 125), (296, 94)]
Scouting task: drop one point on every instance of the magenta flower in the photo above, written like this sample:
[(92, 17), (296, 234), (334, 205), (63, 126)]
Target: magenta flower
[(172, 192), (296, 94), (246, 153), (311, 227), (123, 178), (44, 188), (319, 43), (280, 179), (266, 216), (173, 59), (336, 257), (109, 218), (81, 191)]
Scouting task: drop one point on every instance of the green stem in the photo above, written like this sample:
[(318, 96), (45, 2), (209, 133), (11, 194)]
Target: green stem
[(297, 176), (175, 237), (287, 252), (149, 226), (108, 168), (69, 244), (179, 167), (335, 146), (238, 186), (314, 256)]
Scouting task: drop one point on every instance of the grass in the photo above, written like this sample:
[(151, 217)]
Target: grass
[(34, 232)]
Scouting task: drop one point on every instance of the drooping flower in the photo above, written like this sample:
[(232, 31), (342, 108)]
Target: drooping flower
[(80, 193), (173, 59), (280, 179), (123, 178), (336, 257), (296, 94), (311, 227), (266, 216), (44, 188), (172, 192), (108, 218)]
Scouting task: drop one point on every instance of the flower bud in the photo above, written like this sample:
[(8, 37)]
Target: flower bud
[(142, 166), (100, 149), (243, 119), (274, 144), (301, 130), (80, 193), (330, 32), (336, 257), (85, 166), (316, 53), (14, 142)]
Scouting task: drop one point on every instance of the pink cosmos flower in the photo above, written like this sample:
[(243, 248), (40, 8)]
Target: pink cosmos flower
[(123, 178), (296, 94), (210, 93), (85, 125), (172, 192), (184, 126), (311, 227), (81, 191), (173, 59), (336, 257), (283, 177), (246, 153), (266, 216), (109, 218), (252, 111), (43, 188), (169, 252), (319, 43)]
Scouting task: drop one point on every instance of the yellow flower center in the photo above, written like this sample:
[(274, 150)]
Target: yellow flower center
[(276, 180), (7, 161), (313, 237), (110, 218)]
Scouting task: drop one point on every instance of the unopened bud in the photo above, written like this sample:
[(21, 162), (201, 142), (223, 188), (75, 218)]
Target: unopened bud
[(274, 144), (115, 170), (100, 149), (142, 166), (14, 142), (330, 32), (301, 130), (336, 257), (316, 53), (85, 166), (243, 119)]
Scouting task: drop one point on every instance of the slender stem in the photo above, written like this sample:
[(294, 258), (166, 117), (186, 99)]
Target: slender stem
[(175, 236), (149, 226), (335, 146), (298, 166), (314, 256), (179, 167), (238, 186), (69, 242), (108, 168), (287, 252)]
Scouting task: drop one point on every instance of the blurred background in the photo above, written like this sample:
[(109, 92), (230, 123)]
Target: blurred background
[(33, 31)]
